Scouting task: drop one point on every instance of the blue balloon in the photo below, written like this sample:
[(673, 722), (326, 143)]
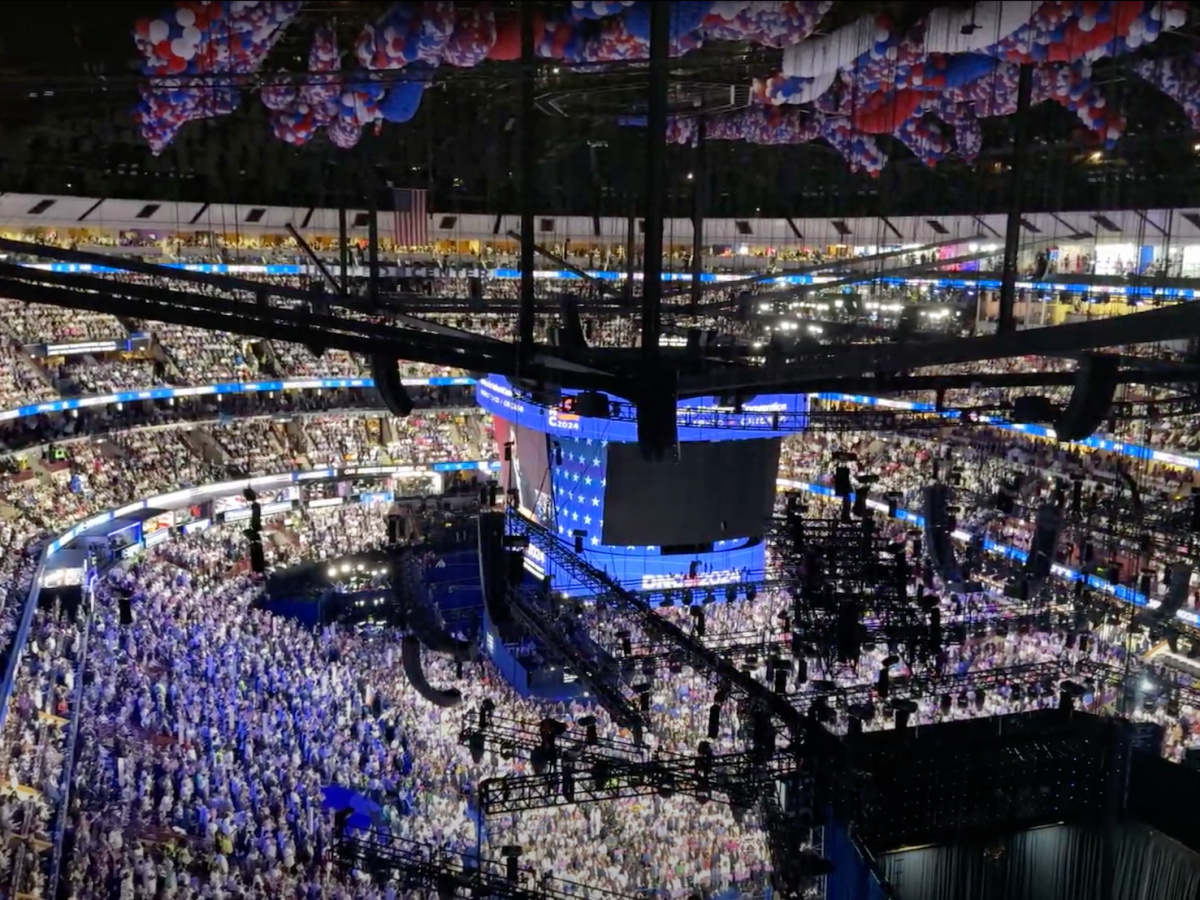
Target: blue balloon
[(686, 17), (965, 68), (402, 101)]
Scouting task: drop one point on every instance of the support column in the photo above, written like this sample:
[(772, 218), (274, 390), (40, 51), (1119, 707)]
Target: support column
[(343, 245), (372, 245), (699, 209), (525, 321), (1012, 233), (630, 249), (656, 177)]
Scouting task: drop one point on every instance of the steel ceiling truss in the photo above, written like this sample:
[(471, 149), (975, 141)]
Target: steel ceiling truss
[(1170, 323), (611, 369), (514, 738), (736, 778), (540, 622), (847, 572), (659, 628), (420, 867), (1041, 675)]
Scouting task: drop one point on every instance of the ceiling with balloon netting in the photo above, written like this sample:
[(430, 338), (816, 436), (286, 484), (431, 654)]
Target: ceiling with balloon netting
[(851, 106)]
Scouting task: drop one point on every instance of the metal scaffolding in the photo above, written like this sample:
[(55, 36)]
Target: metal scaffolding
[(738, 778), (424, 867)]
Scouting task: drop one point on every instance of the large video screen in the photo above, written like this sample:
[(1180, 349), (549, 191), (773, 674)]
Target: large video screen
[(579, 481), (716, 491), (529, 470)]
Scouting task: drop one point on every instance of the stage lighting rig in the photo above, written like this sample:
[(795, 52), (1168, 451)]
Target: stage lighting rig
[(512, 737), (864, 700), (432, 870), (740, 779), (592, 668), (846, 574), (820, 749)]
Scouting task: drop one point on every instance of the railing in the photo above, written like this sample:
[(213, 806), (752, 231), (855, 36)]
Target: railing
[(17, 647), (72, 749)]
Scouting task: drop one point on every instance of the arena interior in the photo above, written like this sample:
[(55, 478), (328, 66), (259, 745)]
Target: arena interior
[(600, 450)]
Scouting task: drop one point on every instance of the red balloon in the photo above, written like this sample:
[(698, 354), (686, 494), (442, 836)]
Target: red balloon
[(508, 38), (885, 112)]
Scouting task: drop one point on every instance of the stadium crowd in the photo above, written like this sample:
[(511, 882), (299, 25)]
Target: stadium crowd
[(211, 731)]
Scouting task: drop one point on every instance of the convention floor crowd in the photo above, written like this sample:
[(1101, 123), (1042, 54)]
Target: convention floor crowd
[(210, 732)]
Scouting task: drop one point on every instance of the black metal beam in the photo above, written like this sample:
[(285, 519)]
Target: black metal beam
[(654, 624), (599, 285), (316, 260), (841, 264), (699, 207), (137, 267), (343, 243), (1168, 323), (372, 245), (1016, 188), (560, 648), (435, 871), (501, 734), (630, 252), (525, 324), (733, 778), (276, 323), (656, 174)]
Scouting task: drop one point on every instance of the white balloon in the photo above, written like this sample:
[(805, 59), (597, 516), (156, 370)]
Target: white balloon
[(183, 49), (1087, 23), (185, 17), (159, 31), (191, 34)]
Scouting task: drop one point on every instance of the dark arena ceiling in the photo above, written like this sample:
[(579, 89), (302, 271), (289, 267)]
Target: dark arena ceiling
[(1118, 137)]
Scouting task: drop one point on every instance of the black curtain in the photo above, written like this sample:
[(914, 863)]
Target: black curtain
[(1060, 862)]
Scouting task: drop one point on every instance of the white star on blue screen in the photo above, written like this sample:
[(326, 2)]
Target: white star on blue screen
[(579, 483)]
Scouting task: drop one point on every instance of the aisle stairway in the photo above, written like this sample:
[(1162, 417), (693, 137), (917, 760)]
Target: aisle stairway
[(268, 360), (166, 367), (205, 446), (387, 430), (298, 440), (23, 358)]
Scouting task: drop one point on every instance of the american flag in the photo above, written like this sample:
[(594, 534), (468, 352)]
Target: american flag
[(412, 221), (579, 488)]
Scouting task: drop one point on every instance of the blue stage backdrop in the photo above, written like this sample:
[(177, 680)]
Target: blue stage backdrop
[(559, 469)]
